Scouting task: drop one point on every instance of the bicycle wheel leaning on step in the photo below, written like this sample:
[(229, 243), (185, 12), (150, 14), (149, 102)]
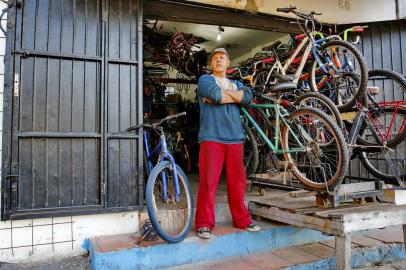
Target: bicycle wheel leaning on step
[(170, 215)]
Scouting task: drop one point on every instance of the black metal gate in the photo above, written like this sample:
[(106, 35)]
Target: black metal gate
[(382, 44), (73, 84)]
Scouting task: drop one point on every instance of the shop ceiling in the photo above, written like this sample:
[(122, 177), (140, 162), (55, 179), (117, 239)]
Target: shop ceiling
[(182, 11), (237, 41), (242, 30)]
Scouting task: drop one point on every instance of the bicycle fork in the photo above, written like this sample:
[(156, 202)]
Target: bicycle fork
[(359, 119), (166, 155)]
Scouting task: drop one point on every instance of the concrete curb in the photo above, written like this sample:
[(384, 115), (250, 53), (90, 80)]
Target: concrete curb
[(194, 249)]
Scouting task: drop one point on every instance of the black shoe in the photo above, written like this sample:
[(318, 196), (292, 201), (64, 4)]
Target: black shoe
[(204, 233), (253, 228)]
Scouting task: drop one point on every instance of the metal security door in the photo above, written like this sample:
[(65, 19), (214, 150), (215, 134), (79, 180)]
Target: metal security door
[(123, 107), (74, 89)]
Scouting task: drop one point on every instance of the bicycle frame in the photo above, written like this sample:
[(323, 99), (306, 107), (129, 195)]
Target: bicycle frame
[(280, 113), (363, 117), (164, 154), (311, 48)]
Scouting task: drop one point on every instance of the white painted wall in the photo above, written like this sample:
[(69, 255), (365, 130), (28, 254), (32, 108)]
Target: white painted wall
[(402, 9), (42, 239), (46, 238), (334, 11)]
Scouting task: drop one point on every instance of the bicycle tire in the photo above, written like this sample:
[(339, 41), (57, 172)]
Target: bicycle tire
[(400, 135), (389, 75), (251, 156), (374, 167), (334, 112), (363, 72), (263, 122), (159, 222), (339, 150), (259, 82)]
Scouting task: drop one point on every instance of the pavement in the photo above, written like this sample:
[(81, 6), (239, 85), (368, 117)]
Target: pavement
[(74, 263)]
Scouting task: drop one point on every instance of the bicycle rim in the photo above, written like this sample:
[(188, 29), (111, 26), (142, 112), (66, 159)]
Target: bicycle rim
[(260, 81), (391, 85), (376, 164), (171, 219), (321, 102), (390, 126), (324, 162), (348, 81), (251, 156)]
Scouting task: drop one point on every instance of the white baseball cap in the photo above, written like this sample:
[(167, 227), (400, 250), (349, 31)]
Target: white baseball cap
[(219, 50)]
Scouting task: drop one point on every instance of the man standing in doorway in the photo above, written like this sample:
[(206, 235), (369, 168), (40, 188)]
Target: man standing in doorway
[(221, 138)]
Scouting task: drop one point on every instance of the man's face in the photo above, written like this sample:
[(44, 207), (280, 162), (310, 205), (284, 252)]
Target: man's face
[(219, 62)]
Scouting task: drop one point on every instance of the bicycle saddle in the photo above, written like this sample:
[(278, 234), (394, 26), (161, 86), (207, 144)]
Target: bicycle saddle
[(283, 87)]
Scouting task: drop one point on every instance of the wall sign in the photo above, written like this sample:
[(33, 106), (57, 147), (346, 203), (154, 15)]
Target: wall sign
[(344, 4)]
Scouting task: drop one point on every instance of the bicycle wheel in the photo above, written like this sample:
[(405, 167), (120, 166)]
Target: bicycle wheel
[(392, 86), (339, 81), (323, 103), (251, 158), (260, 81), (377, 165), (389, 124), (171, 218), (315, 149), (263, 122)]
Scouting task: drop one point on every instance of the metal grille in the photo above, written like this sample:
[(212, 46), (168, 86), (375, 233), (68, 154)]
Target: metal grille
[(77, 64)]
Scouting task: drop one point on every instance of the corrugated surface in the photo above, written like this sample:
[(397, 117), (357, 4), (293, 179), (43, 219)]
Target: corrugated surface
[(77, 62), (384, 47)]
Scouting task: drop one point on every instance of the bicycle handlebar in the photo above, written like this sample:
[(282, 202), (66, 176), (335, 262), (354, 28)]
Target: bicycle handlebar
[(307, 16), (155, 125), (253, 66), (170, 117), (300, 14), (286, 10), (354, 29)]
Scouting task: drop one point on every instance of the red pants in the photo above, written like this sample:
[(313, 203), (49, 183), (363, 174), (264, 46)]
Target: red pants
[(212, 156)]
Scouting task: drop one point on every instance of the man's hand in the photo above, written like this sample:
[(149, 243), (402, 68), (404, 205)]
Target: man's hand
[(206, 100), (228, 96), (231, 96)]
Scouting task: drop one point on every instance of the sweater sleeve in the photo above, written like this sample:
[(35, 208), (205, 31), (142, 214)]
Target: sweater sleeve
[(207, 87), (247, 97)]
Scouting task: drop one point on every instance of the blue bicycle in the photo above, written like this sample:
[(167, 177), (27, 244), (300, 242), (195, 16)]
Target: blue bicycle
[(168, 193)]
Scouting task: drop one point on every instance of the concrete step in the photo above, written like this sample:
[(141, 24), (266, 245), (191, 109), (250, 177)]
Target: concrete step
[(122, 251), (368, 250)]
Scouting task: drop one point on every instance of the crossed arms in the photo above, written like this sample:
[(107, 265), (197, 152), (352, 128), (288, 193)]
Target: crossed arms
[(212, 93)]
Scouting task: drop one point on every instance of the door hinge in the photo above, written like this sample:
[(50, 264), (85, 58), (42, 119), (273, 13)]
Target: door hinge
[(105, 16), (16, 84), (13, 182), (23, 53), (103, 188)]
